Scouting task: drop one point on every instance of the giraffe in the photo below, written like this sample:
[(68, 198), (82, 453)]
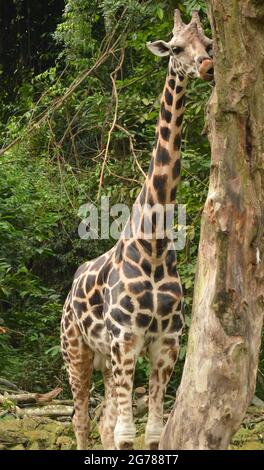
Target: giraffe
[(129, 301)]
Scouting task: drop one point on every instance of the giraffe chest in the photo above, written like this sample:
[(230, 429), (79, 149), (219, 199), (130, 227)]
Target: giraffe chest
[(143, 301), (135, 297)]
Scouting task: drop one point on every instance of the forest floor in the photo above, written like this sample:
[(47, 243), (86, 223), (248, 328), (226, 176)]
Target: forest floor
[(30, 433)]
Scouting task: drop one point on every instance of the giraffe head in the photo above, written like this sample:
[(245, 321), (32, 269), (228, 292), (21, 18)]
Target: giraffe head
[(189, 49)]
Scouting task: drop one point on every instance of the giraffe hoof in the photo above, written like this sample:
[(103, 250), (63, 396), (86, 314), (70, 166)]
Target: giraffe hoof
[(126, 445)]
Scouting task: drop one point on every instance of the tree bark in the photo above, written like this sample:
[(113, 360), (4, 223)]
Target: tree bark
[(219, 375)]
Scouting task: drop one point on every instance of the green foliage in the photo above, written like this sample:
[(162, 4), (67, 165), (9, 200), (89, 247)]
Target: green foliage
[(27, 47)]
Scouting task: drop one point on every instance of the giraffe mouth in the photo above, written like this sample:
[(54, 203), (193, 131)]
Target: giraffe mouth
[(206, 70)]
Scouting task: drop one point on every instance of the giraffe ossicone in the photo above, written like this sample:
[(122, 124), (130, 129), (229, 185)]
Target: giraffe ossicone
[(129, 301)]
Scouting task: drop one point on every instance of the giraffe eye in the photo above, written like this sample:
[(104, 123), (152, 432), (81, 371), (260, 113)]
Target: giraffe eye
[(177, 50)]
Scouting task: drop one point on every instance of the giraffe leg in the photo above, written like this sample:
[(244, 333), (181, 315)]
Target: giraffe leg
[(109, 413), (163, 355), (124, 355), (79, 359)]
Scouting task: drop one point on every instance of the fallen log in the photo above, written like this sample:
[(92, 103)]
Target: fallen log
[(48, 411), (8, 384), (31, 397), (46, 397), (63, 402), (257, 402)]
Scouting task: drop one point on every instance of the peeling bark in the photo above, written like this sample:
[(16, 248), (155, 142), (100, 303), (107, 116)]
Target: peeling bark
[(219, 375)]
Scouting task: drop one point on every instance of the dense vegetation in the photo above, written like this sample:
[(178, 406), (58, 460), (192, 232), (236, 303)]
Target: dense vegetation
[(79, 89)]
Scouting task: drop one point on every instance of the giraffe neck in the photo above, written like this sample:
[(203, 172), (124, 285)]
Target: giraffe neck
[(163, 176), (164, 172)]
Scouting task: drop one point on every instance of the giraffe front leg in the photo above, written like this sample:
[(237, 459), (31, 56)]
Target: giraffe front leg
[(124, 354), (163, 355), (79, 359)]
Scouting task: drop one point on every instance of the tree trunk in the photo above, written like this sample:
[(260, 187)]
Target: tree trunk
[(219, 376)]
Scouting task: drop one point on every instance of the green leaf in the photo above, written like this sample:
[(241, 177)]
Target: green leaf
[(160, 13), (182, 352), (145, 101)]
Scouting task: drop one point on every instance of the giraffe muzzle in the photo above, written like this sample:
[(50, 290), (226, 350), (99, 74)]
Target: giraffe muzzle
[(206, 70)]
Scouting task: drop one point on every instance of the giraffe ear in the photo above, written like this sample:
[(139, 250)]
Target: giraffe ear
[(160, 48)]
